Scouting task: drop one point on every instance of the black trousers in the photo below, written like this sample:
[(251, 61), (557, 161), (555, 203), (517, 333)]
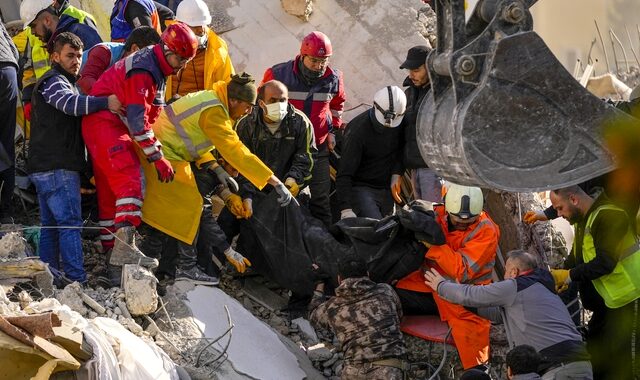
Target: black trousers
[(320, 186), (8, 102)]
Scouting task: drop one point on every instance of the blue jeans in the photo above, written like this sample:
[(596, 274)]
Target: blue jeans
[(59, 199)]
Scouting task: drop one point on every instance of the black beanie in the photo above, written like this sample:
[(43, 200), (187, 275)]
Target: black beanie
[(242, 87)]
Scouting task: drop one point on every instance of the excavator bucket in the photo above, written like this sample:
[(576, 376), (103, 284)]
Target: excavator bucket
[(503, 112)]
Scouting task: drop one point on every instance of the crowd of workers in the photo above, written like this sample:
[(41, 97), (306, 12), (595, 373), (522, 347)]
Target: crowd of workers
[(157, 121)]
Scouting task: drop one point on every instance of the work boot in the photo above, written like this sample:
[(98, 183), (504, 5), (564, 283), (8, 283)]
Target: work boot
[(196, 276), (125, 251)]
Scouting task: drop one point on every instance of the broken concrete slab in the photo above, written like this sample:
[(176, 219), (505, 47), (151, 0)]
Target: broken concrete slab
[(262, 295), (299, 8), (140, 291), (70, 296), (14, 246), (256, 350), (306, 329), (319, 353)]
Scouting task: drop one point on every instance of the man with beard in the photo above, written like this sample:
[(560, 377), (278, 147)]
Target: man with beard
[(605, 261)]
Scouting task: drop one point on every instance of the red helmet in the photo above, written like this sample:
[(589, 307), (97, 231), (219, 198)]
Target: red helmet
[(181, 40), (316, 44)]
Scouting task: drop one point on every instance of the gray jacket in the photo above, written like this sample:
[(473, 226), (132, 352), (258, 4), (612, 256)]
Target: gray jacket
[(527, 376), (8, 51), (530, 310)]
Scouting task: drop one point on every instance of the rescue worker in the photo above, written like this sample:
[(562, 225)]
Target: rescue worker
[(282, 137), (316, 89), (46, 23), (365, 317), (57, 157), (467, 257), (211, 63), (8, 101), (426, 183), (532, 313), (371, 164), (139, 83), (130, 14), (189, 128), (522, 363), (605, 261), (99, 58)]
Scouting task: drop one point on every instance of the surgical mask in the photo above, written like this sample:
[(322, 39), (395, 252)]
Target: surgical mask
[(276, 111), (202, 41)]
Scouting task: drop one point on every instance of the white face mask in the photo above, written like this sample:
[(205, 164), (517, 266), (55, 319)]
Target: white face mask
[(202, 41), (276, 111)]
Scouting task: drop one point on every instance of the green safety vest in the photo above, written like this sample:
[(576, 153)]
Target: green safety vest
[(621, 286), (178, 127)]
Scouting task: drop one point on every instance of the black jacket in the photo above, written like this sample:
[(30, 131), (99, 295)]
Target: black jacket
[(288, 152), (8, 50), (370, 156), (411, 154), (56, 138)]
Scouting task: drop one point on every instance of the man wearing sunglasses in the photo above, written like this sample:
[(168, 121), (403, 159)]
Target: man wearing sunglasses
[(139, 82), (467, 257), (371, 157)]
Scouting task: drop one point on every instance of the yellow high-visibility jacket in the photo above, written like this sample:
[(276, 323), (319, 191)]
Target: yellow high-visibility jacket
[(188, 129)]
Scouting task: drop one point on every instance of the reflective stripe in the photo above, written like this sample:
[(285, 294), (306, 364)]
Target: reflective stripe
[(128, 63), (106, 223), (126, 201), (322, 97), (151, 149), (37, 65), (336, 113), (630, 251), (128, 213), (145, 136), (176, 120), (297, 95), (106, 237), (471, 264), (475, 231)]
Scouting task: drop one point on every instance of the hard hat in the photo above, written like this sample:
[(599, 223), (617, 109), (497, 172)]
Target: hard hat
[(464, 201), (30, 9), (193, 13), (181, 40), (389, 105), (316, 44)]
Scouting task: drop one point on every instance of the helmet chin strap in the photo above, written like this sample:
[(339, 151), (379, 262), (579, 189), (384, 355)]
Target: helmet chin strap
[(390, 114)]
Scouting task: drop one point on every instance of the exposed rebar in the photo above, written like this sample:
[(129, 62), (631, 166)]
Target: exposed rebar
[(604, 49), (613, 35), (631, 45)]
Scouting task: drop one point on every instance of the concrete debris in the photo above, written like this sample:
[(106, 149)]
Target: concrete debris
[(426, 23), (306, 329), (13, 246), (319, 352), (298, 8), (140, 290), (71, 297)]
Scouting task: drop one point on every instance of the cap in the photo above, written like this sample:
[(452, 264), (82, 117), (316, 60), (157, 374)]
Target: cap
[(416, 56), (242, 87)]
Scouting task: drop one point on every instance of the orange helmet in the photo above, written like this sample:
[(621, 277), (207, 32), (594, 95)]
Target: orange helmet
[(181, 40), (316, 44)]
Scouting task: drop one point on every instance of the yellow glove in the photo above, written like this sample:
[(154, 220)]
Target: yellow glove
[(248, 208), (293, 186), (561, 278), (531, 217), (233, 203), (236, 259)]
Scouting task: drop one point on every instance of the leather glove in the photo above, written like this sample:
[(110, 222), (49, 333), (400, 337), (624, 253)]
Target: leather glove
[(248, 208), (396, 187), (531, 217), (27, 111), (233, 203), (236, 259), (224, 177), (562, 279), (285, 196), (347, 213), (293, 186), (164, 170)]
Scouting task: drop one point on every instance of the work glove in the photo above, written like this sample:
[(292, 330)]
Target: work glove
[(531, 217), (224, 177), (285, 196), (248, 208), (347, 213), (396, 187), (562, 279), (27, 111), (164, 170), (293, 186), (233, 203), (237, 260)]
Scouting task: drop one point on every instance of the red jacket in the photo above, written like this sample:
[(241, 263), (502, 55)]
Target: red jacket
[(139, 83), (323, 102), (467, 257)]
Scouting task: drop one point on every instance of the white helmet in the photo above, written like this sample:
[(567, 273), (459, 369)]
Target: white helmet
[(193, 13), (389, 105), (29, 10), (464, 201)]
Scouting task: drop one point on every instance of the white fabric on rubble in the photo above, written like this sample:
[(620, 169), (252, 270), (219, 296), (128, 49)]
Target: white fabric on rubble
[(138, 359)]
